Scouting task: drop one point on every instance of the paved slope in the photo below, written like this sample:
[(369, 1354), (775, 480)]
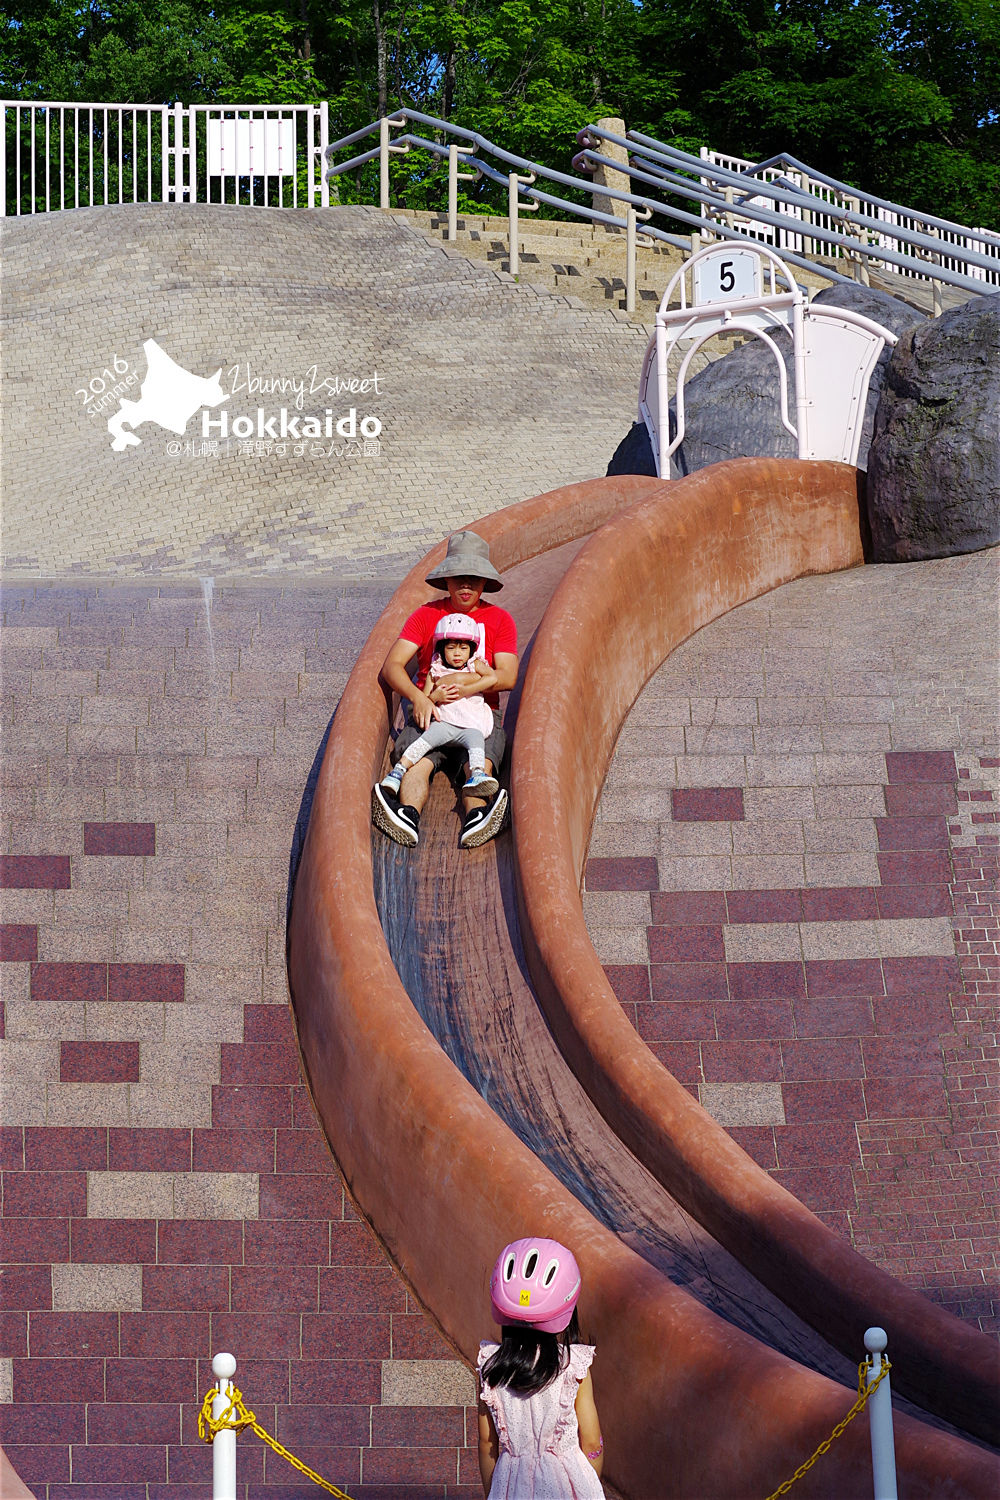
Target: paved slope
[(488, 391)]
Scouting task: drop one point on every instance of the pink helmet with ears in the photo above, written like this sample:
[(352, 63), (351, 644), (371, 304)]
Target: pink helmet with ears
[(535, 1281), (456, 628)]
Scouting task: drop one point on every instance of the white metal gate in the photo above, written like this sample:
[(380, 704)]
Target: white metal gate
[(63, 155)]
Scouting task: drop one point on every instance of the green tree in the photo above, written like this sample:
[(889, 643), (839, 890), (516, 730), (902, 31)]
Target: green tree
[(900, 97)]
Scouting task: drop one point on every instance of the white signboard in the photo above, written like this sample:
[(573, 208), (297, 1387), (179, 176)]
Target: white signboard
[(251, 148), (726, 276)]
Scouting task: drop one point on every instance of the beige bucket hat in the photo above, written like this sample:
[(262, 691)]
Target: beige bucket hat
[(468, 556)]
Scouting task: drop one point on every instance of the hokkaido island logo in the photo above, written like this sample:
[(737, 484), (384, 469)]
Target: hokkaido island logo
[(169, 396)]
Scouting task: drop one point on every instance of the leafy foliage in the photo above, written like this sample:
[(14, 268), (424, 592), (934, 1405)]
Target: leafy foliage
[(900, 97)]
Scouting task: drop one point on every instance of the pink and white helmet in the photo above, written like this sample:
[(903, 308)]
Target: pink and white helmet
[(535, 1281), (456, 628)]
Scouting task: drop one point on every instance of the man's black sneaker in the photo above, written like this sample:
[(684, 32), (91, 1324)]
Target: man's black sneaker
[(484, 823), (400, 821)]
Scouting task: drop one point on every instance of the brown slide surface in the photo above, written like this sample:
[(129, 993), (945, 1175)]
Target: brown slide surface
[(458, 1124)]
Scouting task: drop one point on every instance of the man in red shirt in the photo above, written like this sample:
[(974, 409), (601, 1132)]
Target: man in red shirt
[(467, 574)]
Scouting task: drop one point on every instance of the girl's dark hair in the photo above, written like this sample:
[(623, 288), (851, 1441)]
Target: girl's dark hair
[(527, 1361), (452, 641)]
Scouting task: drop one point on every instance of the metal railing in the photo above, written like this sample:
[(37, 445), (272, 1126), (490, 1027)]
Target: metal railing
[(58, 155), (831, 220), (882, 223), (809, 216)]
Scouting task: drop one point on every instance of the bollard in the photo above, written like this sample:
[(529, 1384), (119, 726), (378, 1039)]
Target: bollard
[(880, 1420), (224, 1443)]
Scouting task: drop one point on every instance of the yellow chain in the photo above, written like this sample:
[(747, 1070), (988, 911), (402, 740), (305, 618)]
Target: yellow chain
[(864, 1391), (236, 1417)]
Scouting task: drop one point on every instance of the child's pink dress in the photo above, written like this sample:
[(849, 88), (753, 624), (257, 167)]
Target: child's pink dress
[(540, 1454), (467, 713)]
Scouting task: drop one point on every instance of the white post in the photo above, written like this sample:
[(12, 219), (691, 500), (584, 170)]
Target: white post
[(165, 117), (630, 259), (224, 1443), (799, 364), (383, 164), (512, 222), (452, 192), (3, 164), (324, 141), (662, 400), (880, 1420), (190, 157)]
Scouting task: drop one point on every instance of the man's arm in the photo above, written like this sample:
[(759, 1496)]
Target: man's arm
[(505, 671), (395, 676)]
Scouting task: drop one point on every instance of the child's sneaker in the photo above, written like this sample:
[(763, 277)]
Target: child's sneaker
[(392, 781), (480, 785), (400, 821)]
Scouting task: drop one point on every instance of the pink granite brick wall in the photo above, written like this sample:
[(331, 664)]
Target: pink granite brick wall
[(855, 1065), (166, 1190)]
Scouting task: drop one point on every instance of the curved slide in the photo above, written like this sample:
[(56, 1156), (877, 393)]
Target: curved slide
[(453, 1114)]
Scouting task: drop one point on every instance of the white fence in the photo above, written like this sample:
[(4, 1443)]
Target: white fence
[(62, 155), (981, 241)]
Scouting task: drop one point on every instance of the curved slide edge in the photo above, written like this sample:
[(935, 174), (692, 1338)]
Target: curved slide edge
[(443, 1182), (644, 583), (12, 1486)]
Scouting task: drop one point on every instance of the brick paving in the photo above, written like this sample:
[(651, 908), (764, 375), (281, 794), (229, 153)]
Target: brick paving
[(489, 392), (792, 885), (167, 1191)]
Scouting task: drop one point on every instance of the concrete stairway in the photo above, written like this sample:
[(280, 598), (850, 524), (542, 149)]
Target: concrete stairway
[(583, 261)]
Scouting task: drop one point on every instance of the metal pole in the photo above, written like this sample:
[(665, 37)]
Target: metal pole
[(630, 254), (190, 156), (880, 1420), (383, 164), (224, 1443), (799, 363), (512, 222), (324, 141), (452, 192), (662, 401)]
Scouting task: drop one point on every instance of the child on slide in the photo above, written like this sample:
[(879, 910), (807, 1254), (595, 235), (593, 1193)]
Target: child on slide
[(539, 1433), (462, 722)]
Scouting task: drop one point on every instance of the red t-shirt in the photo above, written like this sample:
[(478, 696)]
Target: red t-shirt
[(501, 635)]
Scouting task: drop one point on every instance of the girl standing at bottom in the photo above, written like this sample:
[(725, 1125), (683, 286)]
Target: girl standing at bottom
[(539, 1433)]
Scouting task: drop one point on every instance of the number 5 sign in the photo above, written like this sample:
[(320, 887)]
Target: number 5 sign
[(726, 276)]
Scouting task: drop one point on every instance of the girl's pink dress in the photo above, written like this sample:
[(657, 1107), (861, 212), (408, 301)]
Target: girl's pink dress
[(540, 1454)]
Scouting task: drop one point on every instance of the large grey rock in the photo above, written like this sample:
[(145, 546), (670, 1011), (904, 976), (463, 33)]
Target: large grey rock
[(934, 466), (731, 407)]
